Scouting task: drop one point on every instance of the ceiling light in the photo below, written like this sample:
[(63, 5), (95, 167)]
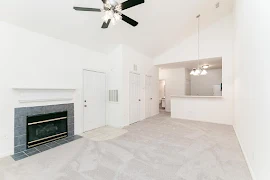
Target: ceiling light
[(199, 70), (118, 8), (106, 17), (117, 16), (193, 72), (205, 66), (112, 12), (204, 72), (107, 5), (113, 21)]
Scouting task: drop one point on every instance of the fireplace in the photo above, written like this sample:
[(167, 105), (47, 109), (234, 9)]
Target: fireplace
[(45, 128), (40, 125), (40, 128)]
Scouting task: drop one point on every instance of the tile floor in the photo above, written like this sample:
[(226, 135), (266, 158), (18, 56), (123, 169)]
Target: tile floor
[(44, 147), (104, 133), (159, 148)]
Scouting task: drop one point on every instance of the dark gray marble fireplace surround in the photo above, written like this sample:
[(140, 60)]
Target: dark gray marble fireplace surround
[(20, 118)]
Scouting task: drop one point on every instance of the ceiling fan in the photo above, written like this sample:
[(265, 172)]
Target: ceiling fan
[(113, 11)]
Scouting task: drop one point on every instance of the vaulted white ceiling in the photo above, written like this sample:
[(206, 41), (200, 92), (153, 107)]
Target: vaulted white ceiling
[(162, 23)]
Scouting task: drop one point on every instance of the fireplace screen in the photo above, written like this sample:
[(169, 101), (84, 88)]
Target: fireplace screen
[(45, 128)]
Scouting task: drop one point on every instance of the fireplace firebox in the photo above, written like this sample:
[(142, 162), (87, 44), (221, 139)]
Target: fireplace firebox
[(45, 128)]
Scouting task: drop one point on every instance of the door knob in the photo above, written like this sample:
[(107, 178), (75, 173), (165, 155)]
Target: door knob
[(85, 105), (84, 100), (139, 100), (151, 98)]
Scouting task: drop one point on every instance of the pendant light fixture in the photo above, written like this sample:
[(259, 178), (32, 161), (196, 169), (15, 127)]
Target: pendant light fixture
[(199, 70)]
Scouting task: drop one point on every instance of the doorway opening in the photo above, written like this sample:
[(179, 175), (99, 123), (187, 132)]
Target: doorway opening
[(162, 95)]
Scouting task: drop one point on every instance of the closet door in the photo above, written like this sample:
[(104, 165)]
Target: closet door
[(148, 96), (94, 92), (134, 98)]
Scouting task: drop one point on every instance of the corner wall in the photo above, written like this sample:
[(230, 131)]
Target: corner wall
[(252, 96), (216, 41), (121, 63), (145, 67)]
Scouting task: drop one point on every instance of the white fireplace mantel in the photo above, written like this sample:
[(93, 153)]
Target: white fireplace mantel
[(36, 88), (31, 95)]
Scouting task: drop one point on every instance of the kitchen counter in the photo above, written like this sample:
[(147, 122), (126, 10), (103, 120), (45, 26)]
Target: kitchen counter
[(196, 97)]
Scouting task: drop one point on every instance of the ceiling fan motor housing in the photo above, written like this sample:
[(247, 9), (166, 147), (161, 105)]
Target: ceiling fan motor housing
[(113, 11)]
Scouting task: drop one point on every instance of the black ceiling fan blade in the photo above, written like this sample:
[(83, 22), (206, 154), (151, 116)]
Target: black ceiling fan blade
[(129, 20), (106, 25), (130, 3), (104, 1), (86, 9)]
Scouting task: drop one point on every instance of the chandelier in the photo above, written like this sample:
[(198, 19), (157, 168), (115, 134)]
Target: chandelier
[(200, 70), (112, 13)]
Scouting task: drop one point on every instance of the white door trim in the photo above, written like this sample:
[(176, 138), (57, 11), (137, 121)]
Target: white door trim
[(82, 99)]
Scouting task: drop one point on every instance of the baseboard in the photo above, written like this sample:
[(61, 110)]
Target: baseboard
[(247, 161), (120, 127), (198, 120), (5, 155)]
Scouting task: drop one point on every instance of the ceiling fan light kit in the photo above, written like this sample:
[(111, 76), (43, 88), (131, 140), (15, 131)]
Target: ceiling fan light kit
[(113, 11)]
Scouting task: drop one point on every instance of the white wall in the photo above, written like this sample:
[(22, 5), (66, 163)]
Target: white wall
[(203, 85), (175, 84), (32, 60), (115, 116), (252, 97), (188, 82), (203, 109), (216, 41)]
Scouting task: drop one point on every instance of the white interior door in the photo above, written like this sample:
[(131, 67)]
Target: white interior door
[(148, 96), (94, 91), (134, 98)]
